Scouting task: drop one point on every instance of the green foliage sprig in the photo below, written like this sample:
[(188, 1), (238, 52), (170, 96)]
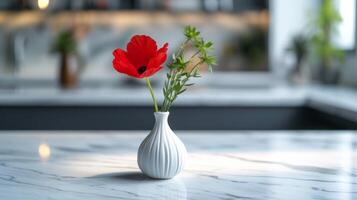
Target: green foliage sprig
[(178, 76)]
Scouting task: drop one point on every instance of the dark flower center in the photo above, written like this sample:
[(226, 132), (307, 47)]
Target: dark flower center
[(142, 69)]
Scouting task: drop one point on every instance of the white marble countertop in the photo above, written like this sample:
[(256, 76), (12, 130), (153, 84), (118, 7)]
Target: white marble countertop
[(222, 165)]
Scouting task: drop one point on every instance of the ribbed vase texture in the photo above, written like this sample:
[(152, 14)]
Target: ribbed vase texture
[(162, 154)]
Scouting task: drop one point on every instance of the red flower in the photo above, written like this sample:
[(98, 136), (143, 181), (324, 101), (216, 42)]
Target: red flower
[(141, 58)]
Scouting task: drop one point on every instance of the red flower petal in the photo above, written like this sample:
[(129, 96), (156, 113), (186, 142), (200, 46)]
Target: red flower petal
[(164, 48), (150, 72), (122, 64), (157, 61), (140, 49)]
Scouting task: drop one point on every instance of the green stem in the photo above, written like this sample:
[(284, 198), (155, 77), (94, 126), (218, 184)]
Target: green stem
[(194, 55), (182, 47), (152, 94)]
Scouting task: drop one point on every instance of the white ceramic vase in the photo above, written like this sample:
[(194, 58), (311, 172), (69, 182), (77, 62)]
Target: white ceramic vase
[(162, 154)]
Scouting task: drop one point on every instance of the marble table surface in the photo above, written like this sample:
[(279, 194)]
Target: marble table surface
[(222, 165)]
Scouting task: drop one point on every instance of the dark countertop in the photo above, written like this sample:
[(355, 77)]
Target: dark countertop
[(332, 100)]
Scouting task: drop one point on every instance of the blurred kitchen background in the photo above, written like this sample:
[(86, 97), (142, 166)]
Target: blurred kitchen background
[(282, 64)]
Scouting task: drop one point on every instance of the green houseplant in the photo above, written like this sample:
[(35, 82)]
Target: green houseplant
[(66, 46), (325, 27), (299, 48)]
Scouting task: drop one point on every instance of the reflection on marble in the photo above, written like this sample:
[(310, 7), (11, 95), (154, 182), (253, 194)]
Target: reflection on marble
[(44, 151), (222, 165)]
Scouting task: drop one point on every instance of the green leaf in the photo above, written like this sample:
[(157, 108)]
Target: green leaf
[(191, 32), (209, 45), (182, 91)]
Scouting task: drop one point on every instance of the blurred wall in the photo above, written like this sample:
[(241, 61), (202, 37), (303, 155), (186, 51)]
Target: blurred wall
[(349, 71), (288, 17)]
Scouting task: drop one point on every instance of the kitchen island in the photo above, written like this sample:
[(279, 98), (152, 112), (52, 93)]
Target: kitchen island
[(258, 165), (270, 108)]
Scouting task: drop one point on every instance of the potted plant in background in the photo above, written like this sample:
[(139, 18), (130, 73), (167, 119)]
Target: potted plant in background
[(299, 47), (162, 154), (246, 51), (66, 46), (325, 26)]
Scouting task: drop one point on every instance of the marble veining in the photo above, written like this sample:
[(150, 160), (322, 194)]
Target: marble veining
[(222, 165)]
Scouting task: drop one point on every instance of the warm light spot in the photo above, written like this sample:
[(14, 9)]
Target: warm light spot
[(44, 151), (43, 4)]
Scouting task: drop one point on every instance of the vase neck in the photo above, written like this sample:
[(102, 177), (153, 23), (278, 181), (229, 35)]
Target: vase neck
[(161, 116), (161, 119)]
